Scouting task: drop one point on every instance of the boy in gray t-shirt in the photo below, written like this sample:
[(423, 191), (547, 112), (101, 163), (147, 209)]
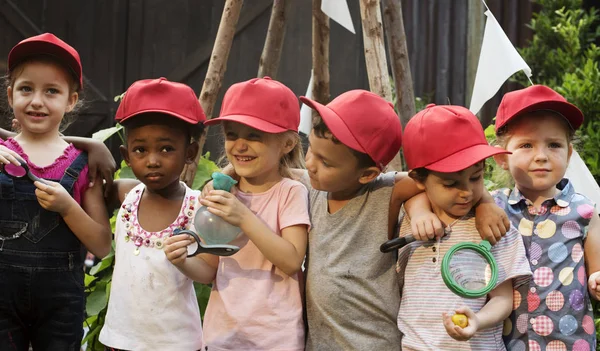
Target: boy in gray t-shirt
[(352, 296)]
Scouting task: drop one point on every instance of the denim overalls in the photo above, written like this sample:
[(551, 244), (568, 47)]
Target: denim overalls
[(41, 270)]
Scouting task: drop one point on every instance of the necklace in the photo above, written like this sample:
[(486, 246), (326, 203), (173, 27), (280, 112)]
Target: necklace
[(448, 228)]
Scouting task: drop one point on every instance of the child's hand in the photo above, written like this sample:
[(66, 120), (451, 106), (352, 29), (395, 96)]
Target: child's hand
[(8, 156), (175, 248), (594, 285), (225, 205), (491, 222), (53, 197), (101, 164), (208, 187), (426, 226), (458, 333)]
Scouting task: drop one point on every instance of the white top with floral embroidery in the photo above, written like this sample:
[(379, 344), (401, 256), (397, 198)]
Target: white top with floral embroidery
[(152, 305)]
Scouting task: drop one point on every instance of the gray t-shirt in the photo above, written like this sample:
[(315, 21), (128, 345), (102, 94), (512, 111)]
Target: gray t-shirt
[(352, 295)]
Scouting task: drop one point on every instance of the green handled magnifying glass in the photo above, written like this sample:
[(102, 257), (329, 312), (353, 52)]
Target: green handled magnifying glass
[(468, 269)]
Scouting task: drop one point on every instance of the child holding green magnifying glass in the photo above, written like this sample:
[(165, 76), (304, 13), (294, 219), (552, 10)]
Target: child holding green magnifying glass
[(445, 148)]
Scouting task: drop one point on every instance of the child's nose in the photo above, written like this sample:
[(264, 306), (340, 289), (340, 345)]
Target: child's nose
[(153, 160), (36, 99)]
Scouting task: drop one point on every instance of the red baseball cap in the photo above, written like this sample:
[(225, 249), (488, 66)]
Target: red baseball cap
[(260, 103), (47, 44), (363, 121), (535, 98), (162, 96), (446, 139)]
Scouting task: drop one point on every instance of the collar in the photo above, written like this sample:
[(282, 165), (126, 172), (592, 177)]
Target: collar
[(562, 199)]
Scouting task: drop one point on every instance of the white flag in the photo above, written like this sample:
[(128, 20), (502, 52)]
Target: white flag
[(497, 62), (581, 178), (305, 111), (338, 11)]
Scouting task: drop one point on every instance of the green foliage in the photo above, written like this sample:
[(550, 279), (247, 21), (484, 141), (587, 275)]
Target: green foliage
[(98, 279)]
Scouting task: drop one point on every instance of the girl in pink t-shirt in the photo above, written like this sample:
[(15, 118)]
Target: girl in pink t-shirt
[(45, 224), (255, 303)]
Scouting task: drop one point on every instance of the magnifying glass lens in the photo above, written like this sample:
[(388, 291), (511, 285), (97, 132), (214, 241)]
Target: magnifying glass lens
[(15, 171), (470, 270)]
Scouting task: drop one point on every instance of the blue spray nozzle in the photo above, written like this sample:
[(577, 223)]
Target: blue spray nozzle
[(222, 181)]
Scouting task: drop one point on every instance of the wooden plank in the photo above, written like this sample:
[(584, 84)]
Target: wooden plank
[(443, 29), (202, 54), (458, 63), (320, 54), (475, 27)]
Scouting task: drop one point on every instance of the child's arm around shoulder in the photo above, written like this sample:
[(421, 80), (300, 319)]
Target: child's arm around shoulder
[(405, 188), (592, 259)]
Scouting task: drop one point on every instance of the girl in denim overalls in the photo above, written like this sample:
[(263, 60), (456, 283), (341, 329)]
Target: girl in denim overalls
[(44, 226), (559, 226)]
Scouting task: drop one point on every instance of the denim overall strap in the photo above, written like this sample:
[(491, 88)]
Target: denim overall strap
[(72, 172)]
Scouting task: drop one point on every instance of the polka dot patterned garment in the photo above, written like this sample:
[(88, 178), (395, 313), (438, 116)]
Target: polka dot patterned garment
[(552, 311)]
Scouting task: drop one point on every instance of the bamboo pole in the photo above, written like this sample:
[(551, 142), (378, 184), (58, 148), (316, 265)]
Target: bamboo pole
[(271, 55), (396, 40), (214, 74), (377, 67), (320, 54), (475, 28)]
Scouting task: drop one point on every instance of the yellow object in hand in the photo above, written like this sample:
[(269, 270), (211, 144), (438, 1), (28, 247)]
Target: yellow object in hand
[(460, 320)]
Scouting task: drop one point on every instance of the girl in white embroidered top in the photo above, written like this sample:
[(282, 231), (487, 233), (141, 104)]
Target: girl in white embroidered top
[(152, 305), (255, 303)]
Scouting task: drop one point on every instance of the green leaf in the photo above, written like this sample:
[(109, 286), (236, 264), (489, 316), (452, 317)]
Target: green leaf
[(205, 169), (104, 134), (102, 265), (91, 334), (88, 279), (96, 302), (125, 172)]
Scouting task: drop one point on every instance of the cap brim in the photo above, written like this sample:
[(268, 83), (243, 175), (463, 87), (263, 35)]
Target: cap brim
[(465, 158), (250, 121), (570, 112), (336, 125), (24, 50), (170, 113)]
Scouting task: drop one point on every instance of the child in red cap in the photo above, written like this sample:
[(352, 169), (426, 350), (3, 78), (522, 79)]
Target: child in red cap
[(451, 174), (152, 305), (255, 303), (44, 225), (560, 228)]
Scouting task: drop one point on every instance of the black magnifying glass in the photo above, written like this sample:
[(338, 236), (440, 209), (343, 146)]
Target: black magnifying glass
[(21, 171)]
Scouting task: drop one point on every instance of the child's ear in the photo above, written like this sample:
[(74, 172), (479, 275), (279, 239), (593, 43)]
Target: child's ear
[(10, 97), (289, 145), (502, 161), (369, 174), (191, 152), (413, 175), (125, 154), (73, 98), (570, 153)]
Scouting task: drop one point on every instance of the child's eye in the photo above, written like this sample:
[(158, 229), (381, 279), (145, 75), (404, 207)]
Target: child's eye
[(167, 149), (52, 91), (138, 150), (25, 89), (230, 136), (475, 178), (449, 185), (526, 146), (555, 145), (325, 163), (254, 136)]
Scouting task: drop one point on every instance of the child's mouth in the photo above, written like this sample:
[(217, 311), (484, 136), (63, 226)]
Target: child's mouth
[(244, 158), (37, 114)]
